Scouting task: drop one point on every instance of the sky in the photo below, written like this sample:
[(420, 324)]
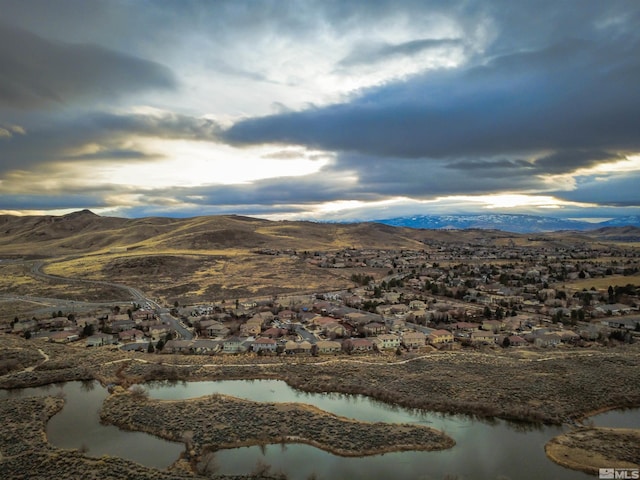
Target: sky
[(322, 110)]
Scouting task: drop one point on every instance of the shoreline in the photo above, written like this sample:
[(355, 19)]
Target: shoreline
[(229, 425), (588, 449)]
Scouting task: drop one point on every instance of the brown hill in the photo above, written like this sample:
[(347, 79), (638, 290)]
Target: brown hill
[(84, 232)]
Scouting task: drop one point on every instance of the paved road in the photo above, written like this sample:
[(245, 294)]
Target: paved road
[(166, 317), (134, 293), (306, 334)]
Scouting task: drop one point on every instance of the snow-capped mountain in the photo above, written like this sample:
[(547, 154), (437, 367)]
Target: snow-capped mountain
[(508, 223)]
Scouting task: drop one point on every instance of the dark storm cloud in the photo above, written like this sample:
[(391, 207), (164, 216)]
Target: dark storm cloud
[(616, 190), (307, 189), (105, 132), (571, 160), (573, 95), (37, 72), (50, 202), (560, 162)]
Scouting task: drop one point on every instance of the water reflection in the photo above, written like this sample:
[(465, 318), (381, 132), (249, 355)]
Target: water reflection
[(485, 448), (78, 426)]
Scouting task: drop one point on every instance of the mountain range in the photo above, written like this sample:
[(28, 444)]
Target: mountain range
[(507, 223)]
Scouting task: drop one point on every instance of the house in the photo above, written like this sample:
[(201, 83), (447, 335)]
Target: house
[(63, 337), (414, 339), (329, 346), (274, 332), (334, 329), (387, 341), (516, 341), (438, 337), (417, 305), (481, 336), (359, 345), (122, 325), (546, 340), (374, 328), (205, 347), (615, 309), (177, 346), (84, 321), (232, 345), (99, 339), (287, 315), (303, 347), (215, 329), (252, 327), (492, 325), (466, 327), (396, 324), (157, 333), (628, 323), (264, 344), (130, 335)]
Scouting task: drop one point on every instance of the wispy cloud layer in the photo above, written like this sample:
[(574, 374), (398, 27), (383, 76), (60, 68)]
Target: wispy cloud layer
[(318, 109)]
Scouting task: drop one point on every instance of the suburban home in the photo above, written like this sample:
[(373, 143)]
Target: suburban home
[(466, 327), (177, 346), (374, 328), (157, 333), (84, 321), (615, 309), (252, 327), (63, 337), (274, 332), (205, 347), (627, 323), (396, 324), (414, 339), (481, 336), (399, 308), (329, 346), (122, 325), (232, 345), (387, 341), (516, 341), (417, 305), (334, 329), (360, 344), (99, 339), (264, 344), (215, 329), (287, 315), (322, 321), (492, 325), (303, 347), (438, 337), (130, 335), (547, 340)]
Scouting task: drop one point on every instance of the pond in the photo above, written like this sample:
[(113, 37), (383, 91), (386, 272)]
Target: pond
[(484, 449), (78, 426)]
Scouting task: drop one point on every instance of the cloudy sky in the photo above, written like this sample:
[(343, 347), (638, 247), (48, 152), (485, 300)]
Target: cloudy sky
[(320, 109)]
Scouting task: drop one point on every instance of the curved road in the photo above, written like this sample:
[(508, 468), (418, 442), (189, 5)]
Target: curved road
[(137, 296)]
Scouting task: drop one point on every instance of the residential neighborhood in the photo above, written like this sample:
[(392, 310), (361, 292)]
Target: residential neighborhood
[(445, 297)]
